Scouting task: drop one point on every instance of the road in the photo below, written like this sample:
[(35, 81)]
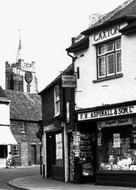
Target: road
[(8, 174)]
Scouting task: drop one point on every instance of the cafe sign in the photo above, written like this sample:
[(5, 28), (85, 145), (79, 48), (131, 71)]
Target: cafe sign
[(124, 110), (68, 81)]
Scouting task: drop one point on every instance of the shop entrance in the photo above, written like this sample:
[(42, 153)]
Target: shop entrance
[(86, 165), (55, 156), (3, 151)]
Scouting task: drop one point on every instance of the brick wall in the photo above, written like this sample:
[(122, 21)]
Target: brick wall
[(25, 141)]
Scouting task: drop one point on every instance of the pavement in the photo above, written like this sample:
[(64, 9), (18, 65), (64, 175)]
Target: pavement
[(37, 182)]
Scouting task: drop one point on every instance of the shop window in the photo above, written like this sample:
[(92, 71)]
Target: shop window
[(57, 100), (117, 148), (15, 150), (109, 59), (23, 127), (58, 140)]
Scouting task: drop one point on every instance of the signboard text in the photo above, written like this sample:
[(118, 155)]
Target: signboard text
[(107, 113)]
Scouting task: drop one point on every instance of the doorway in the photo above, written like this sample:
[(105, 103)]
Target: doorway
[(33, 154), (3, 151), (55, 168), (87, 159), (50, 153)]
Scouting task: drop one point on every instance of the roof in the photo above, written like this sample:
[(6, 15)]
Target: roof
[(78, 46), (125, 12), (54, 82), (129, 28), (24, 106)]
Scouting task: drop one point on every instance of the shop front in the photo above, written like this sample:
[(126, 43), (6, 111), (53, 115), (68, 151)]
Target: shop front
[(6, 141), (53, 156), (84, 152), (115, 152)]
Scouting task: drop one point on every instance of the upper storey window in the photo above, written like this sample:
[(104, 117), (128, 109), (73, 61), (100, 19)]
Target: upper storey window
[(57, 100), (109, 59)]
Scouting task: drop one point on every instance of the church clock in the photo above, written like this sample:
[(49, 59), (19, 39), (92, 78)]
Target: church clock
[(28, 77)]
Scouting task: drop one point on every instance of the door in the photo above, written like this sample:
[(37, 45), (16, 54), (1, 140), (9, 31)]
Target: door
[(33, 154), (50, 153)]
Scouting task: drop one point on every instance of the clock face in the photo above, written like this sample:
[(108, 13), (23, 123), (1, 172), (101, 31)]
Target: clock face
[(28, 77)]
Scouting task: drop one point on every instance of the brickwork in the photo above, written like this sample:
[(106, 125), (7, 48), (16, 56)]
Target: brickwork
[(25, 140)]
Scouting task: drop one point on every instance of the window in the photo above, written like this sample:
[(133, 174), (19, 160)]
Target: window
[(59, 154), (58, 146), (109, 59), (57, 100), (15, 150), (23, 127), (117, 148)]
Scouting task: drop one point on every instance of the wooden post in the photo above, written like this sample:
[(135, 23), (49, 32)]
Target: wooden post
[(44, 156), (66, 165)]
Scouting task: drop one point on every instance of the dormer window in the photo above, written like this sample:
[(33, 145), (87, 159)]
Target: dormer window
[(57, 100), (109, 59)]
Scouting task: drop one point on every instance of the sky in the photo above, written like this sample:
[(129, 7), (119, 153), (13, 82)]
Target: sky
[(47, 27)]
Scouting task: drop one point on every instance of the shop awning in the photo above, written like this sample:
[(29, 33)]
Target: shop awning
[(6, 136)]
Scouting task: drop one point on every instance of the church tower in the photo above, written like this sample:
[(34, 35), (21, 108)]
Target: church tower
[(21, 76)]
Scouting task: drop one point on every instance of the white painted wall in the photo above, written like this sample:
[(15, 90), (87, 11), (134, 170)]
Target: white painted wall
[(89, 94), (4, 114)]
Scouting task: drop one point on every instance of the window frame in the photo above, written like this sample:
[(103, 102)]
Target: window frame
[(57, 100), (16, 150), (23, 127), (104, 55)]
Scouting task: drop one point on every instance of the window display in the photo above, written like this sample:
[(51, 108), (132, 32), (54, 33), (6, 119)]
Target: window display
[(83, 149), (117, 148)]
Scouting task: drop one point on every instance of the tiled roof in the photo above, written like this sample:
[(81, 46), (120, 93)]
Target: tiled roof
[(129, 10), (126, 11), (24, 106)]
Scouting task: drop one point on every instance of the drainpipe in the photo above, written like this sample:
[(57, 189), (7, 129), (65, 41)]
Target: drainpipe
[(73, 67), (76, 159), (73, 59)]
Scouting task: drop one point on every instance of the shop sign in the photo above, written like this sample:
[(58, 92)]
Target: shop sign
[(76, 143), (116, 140), (68, 81), (109, 32), (76, 138), (124, 110)]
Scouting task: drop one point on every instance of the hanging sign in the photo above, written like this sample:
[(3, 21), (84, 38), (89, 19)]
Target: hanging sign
[(68, 81)]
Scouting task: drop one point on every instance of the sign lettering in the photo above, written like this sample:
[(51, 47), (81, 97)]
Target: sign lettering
[(124, 110), (106, 33), (68, 81)]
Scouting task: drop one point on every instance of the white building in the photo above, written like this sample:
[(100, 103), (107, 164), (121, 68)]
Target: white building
[(6, 137), (105, 62)]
